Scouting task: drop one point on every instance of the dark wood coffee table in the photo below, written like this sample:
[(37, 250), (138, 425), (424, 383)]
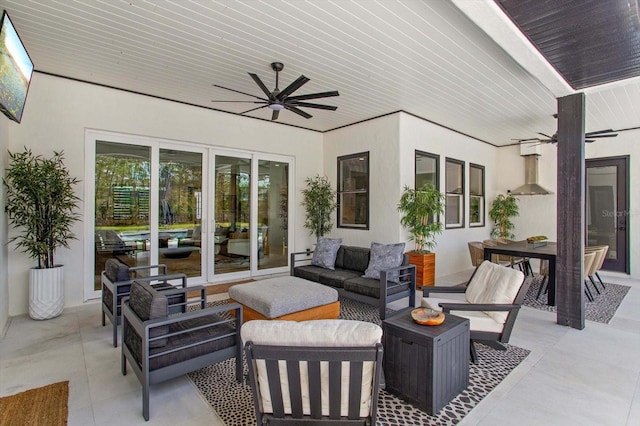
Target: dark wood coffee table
[(424, 365)]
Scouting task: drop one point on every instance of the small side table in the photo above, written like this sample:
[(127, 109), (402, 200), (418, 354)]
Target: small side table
[(426, 366)]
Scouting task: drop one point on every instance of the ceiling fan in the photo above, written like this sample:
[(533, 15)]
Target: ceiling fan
[(588, 137), (281, 99)]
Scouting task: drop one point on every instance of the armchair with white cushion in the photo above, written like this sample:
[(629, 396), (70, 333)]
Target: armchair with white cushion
[(490, 300), (312, 372)]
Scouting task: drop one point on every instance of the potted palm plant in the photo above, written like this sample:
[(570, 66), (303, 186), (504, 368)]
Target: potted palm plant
[(319, 201), (503, 208), (40, 203), (420, 208)]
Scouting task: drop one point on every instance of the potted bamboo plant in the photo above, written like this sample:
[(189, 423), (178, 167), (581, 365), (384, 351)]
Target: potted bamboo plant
[(41, 205), (319, 201), (503, 208), (420, 209)]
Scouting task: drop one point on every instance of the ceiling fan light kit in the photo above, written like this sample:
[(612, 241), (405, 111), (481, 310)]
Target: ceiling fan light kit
[(277, 100)]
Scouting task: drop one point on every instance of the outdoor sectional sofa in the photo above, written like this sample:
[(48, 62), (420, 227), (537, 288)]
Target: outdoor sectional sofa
[(347, 277)]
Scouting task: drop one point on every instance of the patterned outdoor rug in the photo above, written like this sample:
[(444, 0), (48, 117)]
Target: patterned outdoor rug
[(602, 308), (234, 403)]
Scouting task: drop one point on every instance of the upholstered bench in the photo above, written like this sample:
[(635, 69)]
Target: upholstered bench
[(286, 298)]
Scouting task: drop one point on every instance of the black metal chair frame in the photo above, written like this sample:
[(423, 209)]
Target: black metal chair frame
[(313, 356), (120, 290), (149, 377), (492, 339)]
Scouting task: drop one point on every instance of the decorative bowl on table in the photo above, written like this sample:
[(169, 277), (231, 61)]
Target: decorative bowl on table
[(537, 241), (427, 316)]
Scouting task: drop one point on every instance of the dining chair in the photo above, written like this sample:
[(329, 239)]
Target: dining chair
[(476, 251), (599, 262), (588, 262)]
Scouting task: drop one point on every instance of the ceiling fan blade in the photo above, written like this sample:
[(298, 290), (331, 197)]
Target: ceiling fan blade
[(261, 85), (526, 140), (243, 102), (252, 109), (589, 140), (298, 111), (591, 135), (599, 132), (628, 128), (275, 114), (314, 96), (237, 91), (292, 87), (546, 136), (308, 105)]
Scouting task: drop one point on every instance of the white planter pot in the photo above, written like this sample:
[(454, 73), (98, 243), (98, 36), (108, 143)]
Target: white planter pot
[(46, 292)]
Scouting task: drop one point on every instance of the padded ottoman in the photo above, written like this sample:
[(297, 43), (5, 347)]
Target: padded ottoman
[(286, 298)]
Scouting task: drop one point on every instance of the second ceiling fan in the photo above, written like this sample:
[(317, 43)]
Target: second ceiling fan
[(588, 137), (277, 100)]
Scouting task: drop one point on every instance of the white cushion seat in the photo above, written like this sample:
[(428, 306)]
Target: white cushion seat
[(490, 300), (318, 333)]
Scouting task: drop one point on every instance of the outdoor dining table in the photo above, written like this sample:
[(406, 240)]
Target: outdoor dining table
[(522, 249)]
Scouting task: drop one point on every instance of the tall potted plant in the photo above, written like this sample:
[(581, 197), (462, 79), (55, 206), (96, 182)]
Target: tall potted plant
[(503, 208), (40, 204), (319, 201), (420, 208)]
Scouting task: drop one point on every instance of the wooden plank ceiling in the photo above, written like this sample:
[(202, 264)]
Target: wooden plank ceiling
[(589, 42), (425, 57)]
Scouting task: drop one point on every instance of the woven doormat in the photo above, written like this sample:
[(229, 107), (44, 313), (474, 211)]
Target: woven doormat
[(34, 407)]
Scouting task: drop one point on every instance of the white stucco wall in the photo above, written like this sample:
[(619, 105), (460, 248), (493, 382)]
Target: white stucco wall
[(380, 138), (58, 111), (452, 252), (537, 212), (392, 141)]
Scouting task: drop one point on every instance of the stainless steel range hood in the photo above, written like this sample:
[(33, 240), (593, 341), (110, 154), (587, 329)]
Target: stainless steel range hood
[(531, 186)]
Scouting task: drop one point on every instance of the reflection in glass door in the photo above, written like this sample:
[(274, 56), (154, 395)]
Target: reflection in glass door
[(122, 178), (180, 211), (607, 211), (232, 214), (273, 213)]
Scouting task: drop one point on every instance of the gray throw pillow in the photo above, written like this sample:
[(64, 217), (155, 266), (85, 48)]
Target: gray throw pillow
[(326, 251), (384, 256), (149, 304), (116, 271)]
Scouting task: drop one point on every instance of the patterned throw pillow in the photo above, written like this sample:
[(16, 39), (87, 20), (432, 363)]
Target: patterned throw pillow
[(326, 251), (384, 256)]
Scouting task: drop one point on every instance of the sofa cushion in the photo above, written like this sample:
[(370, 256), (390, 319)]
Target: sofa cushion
[(384, 256), (478, 321), (326, 251), (494, 284), (116, 270), (356, 258), (371, 287), (309, 272), (337, 277), (148, 304)]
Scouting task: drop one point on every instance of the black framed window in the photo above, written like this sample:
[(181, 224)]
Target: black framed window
[(427, 169), (454, 194), (476, 196), (353, 191)]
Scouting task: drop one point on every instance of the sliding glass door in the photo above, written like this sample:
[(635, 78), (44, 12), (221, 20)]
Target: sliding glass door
[(214, 215), (180, 211), (122, 226), (232, 217)]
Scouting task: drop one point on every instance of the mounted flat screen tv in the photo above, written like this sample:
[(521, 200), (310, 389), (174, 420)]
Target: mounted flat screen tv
[(15, 71)]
